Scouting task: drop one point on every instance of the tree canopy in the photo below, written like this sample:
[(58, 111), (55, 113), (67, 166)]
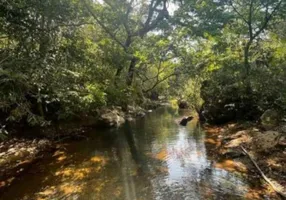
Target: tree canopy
[(62, 59)]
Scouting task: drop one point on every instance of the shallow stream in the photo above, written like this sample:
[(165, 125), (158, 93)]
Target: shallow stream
[(150, 158)]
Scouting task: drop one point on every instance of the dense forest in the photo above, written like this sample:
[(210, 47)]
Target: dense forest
[(62, 59), (69, 67)]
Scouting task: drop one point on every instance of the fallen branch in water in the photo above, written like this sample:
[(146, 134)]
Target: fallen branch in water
[(276, 189)]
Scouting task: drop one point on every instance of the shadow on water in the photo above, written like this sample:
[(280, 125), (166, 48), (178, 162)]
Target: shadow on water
[(151, 158)]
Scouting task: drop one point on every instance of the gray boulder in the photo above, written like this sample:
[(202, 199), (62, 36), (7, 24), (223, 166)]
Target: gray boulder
[(269, 119)]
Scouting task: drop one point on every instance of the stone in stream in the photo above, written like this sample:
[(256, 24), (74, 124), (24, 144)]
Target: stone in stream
[(185, 120)]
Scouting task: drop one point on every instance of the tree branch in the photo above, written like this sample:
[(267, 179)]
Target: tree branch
[(106, 29), (150, 25), (276, 189), (250, 20), (237, 12), (159, 81), (268, 17)]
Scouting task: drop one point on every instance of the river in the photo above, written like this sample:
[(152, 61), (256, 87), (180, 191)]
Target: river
[(150, 158)]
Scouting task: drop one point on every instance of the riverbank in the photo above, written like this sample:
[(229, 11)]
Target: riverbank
[(153, 158), (266, 148), (225, 141), (18, 154), (24, 148)]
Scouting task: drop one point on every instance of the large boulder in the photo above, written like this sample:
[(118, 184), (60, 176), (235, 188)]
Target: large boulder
[(269, 119), (111, 118), (266, 141)]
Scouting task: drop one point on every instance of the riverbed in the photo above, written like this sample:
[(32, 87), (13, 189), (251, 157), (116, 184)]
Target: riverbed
[(149, 158)]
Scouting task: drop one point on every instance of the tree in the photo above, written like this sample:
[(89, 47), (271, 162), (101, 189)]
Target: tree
[(256, 16), (128, 24)]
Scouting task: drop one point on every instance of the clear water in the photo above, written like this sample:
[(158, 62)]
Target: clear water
[(150, 158)]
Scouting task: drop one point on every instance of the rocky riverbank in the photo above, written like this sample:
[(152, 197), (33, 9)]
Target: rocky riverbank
[(20, 152), (115, 116), (16, 155), (266, 147)]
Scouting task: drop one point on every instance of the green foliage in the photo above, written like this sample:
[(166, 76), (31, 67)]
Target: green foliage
[(64, 59)]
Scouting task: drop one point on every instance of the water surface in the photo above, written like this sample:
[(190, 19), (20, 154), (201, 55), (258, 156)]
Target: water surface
[(150, 158)]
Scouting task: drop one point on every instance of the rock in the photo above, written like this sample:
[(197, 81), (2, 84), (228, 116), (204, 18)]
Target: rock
[(183, 104), (282, 141), (265, 141), (269, 119), (140, 114), (185, 120), (282, 128), (2, 161), (238, 139), (136, 111), (12, 150), (110, 118), (43, 143), (118, 108), (129, 118), (24, 153), (233, 153), (131, 109)]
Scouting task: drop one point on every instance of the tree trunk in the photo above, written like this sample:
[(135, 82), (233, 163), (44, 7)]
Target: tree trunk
[(247, 67), (117, 75), (40, 109), (131, 71), (246, 59)]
